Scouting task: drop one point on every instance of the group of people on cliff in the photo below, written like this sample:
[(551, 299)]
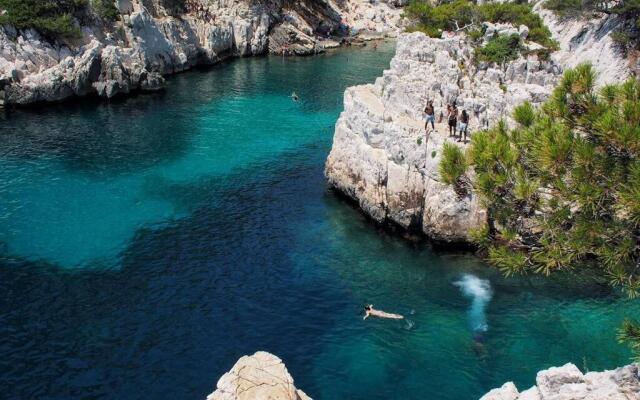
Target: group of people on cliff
[(457, 121)]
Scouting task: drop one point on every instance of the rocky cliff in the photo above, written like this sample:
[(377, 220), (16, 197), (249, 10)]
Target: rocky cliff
[(260, 376), (149, 42), (381, 156), (588, 39), (568, 383)]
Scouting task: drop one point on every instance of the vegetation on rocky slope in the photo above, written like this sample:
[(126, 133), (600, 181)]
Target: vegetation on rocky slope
[(53, 18), (562, 188), (466, 15), (501, 49)]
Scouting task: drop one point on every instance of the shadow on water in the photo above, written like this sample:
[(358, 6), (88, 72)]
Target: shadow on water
[(190, 298)]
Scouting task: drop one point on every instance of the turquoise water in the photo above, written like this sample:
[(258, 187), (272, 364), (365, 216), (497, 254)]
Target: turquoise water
[(146, 244)]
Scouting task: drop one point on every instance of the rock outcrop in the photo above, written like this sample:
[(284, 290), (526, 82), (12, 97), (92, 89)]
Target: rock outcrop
[(568, 383), (588, 39), (260, 376), (381, 157), (151, 42)]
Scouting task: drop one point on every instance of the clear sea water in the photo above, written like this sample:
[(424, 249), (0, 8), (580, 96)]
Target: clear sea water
[(147, 243)]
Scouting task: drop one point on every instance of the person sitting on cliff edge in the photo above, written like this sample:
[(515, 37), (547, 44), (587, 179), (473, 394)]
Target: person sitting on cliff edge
[(370, 311)]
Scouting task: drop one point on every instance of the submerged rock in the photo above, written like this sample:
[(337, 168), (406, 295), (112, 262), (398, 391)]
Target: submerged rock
[(568, 383), (260, 376)]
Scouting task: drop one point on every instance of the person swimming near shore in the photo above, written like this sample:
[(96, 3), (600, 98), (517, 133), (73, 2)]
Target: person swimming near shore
[(294, 96), (369, 311)]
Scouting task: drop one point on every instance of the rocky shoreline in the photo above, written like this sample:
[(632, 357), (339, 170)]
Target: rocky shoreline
[(568, 383), (381, 157), (264, 376), (148, 43)]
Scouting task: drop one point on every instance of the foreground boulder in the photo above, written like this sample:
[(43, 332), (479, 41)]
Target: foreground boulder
[(261, 376), (568, 383)]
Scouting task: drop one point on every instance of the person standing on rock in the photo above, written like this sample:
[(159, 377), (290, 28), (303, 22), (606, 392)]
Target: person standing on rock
[(452, 116), (430, 116), (464, 124)]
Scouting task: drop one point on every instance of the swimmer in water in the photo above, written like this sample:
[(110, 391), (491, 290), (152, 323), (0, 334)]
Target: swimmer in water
[(294, 96), (370, 311)]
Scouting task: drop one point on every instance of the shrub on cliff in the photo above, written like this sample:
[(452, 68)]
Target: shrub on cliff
[(52, 18), (106, 9), (464, 14), (562, 189), (501, 49)]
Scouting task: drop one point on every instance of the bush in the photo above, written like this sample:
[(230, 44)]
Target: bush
[(630, 334), (453, 164), (52, 18), (106, 9), (457, 14), (500, 49)]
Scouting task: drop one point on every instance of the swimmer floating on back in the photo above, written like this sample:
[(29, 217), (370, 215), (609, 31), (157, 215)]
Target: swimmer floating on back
[(370, 311)]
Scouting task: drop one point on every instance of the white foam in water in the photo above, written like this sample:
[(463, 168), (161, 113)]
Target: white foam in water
[(479, 290)]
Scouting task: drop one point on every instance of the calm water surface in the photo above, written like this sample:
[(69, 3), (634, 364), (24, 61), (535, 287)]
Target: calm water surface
[(147, 244)]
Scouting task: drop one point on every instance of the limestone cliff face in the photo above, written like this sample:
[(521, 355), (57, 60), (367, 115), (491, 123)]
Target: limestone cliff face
[(381, 156), (568, 383), (260, 376), (588, 39), (151, 42)]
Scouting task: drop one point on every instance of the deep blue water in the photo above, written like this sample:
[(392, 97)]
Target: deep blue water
[(146, 244)]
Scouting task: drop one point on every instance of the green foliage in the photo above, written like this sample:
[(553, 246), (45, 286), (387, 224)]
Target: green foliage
[(106, 9), (453, 164), (480, 237), (562, 189), (433, 154), (569, 8), (629, 333), (52, 18), (456, 14), (500, 49)]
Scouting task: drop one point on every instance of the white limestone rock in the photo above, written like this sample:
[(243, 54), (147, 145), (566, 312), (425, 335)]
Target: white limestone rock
[(568, 383), (381, 156), (151, 42), (587, 40), (508, 391), (260, 376)]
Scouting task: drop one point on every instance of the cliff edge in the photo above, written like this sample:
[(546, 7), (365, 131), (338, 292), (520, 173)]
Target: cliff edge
[(381, 156), (568, 383)]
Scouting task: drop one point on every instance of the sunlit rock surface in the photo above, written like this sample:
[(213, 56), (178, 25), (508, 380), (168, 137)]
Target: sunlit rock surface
[(260, 376), (381, 156), (568, 383)]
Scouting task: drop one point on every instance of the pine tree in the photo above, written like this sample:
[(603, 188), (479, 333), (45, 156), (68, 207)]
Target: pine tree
[(562, 189)]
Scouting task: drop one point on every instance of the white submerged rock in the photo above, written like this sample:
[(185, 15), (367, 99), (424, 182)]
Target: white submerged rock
[(261, 376), (568, 383), (381, 156)]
